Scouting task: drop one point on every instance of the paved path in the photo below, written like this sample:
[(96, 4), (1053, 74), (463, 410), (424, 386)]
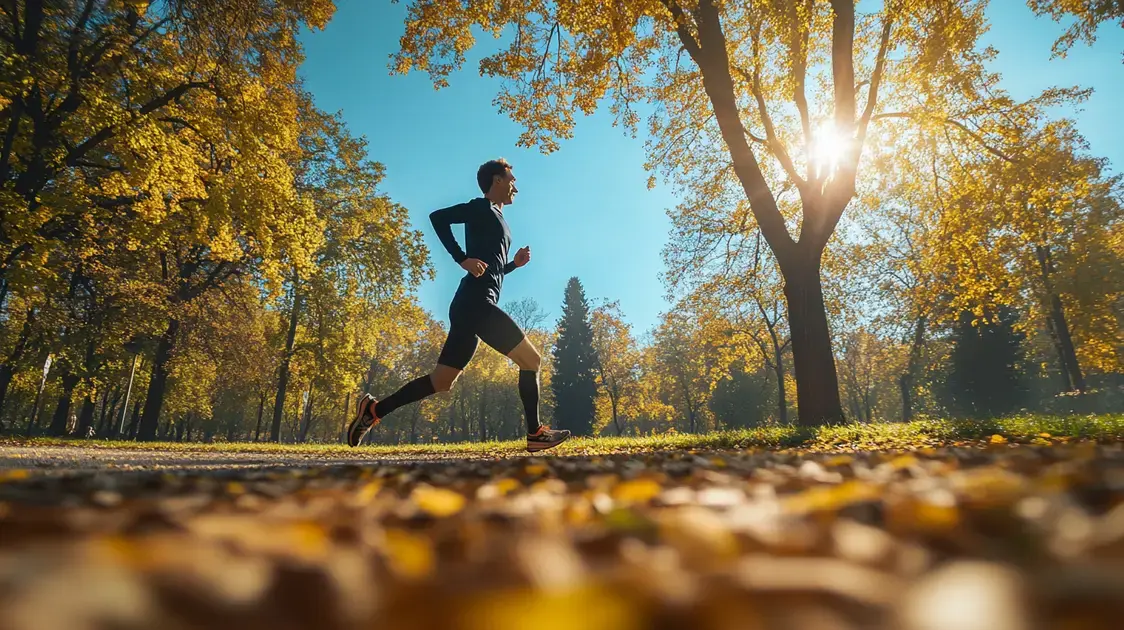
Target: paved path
[(66, 460)]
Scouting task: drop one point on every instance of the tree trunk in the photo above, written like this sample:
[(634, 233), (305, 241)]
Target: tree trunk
[(6, 373), (283, 370), (778, 369), (464, 432), (1059, 326), (306, 423), (908, 380), (102, 427), (1066, 349), (616, 417), (261, 410), (8, 369), (62, 411), (414, 424), (483, 412), (158, 384), (817, 383), (134, 421), (86, 416)]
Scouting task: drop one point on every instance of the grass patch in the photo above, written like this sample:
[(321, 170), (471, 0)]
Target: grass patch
[(918, 434)]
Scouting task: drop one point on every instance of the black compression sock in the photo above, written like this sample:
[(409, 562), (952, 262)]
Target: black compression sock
[(529, 393), (413, 391)]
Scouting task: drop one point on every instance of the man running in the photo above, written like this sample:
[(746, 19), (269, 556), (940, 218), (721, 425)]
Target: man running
[(474, 313)]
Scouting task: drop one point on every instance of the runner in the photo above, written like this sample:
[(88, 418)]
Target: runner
[(474, 313)]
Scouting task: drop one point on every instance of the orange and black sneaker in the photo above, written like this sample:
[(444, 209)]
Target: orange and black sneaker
[(546, 438), (364, 421)]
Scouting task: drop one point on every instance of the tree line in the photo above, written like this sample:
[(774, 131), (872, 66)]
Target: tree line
[(190, 249)]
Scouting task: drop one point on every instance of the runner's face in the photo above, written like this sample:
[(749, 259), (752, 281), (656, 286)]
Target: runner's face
[(505, 186)]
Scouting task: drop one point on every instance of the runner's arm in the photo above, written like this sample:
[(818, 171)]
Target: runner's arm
[(443, 220)]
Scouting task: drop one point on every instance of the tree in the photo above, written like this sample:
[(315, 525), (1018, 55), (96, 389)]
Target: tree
[(742, 399), (744, 97), (986, 365), (575, 364), (1088, 16), (367, 257), (618, 362), (96, 99)]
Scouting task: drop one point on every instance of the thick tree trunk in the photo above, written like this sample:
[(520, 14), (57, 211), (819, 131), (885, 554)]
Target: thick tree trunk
[(817, 383), (908, 380), (157, 386), (283, 371), (62, 411)]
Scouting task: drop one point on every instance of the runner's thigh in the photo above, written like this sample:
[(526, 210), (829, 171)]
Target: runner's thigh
[(498, 330)]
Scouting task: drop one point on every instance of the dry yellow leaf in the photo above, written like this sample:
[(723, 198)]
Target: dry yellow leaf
[(409, 555), (439, 502), (903, 461), (636, 491), (13, 475), (998, 439), (590, 607), (367, 493)]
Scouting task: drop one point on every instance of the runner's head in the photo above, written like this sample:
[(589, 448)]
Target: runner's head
[(496, 181)]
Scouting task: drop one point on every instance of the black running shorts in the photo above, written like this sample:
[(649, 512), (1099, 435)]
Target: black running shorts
[(472, 319)]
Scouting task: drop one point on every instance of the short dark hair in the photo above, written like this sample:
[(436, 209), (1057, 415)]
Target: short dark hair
[(488, 170)]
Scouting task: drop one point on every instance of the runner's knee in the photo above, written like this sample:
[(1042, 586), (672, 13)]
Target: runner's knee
[(443, 382), (529, 361)]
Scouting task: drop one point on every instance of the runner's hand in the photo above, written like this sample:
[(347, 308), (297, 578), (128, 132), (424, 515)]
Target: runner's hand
[(523, 256), (474, 266)]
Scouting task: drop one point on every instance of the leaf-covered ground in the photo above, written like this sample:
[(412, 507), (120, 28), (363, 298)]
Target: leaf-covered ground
[(998, 535)]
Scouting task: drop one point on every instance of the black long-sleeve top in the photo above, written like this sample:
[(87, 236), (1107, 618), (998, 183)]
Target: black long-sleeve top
[(486, 236)]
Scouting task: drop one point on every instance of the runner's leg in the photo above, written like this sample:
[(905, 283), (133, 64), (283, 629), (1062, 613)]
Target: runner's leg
[(459, 347)]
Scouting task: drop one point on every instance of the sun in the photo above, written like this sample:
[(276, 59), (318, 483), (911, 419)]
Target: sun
[(828, 149)]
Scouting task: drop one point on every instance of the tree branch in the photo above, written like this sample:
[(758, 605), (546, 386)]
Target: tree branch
[(772, 141), (798, 48), (875, 82), (680, 20), (843, 65), (953, 123), (106, 133)]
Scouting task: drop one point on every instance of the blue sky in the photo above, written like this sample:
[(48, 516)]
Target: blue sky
[(585, 210)]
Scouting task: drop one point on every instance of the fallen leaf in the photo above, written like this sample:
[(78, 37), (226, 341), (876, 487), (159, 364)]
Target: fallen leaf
[(439, 502)]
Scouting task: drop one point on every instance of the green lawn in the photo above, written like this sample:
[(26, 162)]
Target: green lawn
[(922, 433)]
